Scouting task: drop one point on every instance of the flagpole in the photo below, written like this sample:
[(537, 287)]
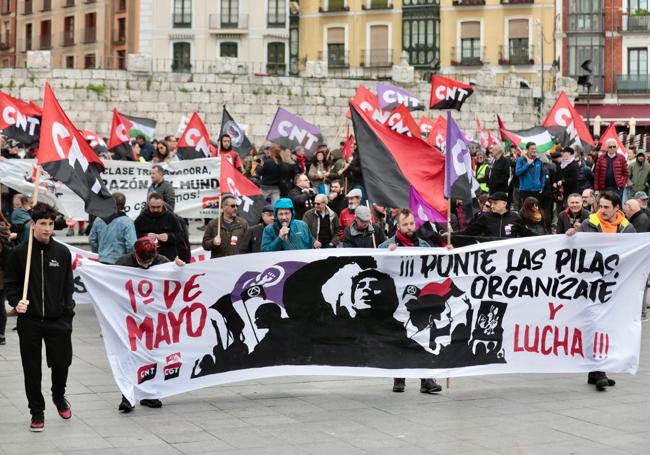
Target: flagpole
[(374, 241)]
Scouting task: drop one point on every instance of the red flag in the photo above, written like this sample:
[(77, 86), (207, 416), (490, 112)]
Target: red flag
[(564, 117), (95, 141), (67, 157), (195, 140), (250, 201), (425, 124), (480, 134), (369, 103), (448, 93), (19, 120), (438, 135), (610, 133), (119, 142), (346, 151), (401, 121)]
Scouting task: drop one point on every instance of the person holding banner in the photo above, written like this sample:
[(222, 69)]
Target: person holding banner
[(161, 225), (406, 236), (45, 314), (611, 220), (362, 233)]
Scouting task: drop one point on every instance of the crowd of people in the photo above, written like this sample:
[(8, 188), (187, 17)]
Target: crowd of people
[(311, 202)]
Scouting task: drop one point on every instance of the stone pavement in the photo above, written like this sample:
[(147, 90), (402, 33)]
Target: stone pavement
[(506, 414)]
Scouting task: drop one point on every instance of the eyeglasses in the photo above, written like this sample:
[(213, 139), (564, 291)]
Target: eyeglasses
[(232, 206), (319, 203), (611, 146)]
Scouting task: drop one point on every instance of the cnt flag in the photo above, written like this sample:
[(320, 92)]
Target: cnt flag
[(391, 96), (448, 93), (238, 140), (460, 183), (195, 141), (95, 142), (290, 131), (66, 156), (119, 143), (250, 201), (563, 121), (438, 135), (401, 121), (19, 120), (392, 163)]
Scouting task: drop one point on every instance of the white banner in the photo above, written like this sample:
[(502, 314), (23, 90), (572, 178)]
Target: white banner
[(196, 184), (540, 305), (80, 255)]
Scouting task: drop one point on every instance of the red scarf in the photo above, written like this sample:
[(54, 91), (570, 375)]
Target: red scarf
[(301, 163), (403, 240)]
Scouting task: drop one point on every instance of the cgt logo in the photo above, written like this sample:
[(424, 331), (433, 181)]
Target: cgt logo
[(147, 372), (172, 370), (210, 202)]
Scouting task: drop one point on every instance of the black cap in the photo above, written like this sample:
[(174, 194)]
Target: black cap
[(499, 196)]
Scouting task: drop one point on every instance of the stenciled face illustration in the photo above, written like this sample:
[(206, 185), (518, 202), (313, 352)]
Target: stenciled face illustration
[(367, 289)]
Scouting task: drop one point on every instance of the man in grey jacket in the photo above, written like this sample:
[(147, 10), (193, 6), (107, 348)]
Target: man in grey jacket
[(162, 187), (323, 223)]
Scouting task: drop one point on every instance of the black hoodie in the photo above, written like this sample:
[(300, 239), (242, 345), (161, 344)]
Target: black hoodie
[(51, 283)]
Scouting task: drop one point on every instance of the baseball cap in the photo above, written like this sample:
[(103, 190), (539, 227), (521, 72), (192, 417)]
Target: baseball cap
[(641, 195), (362, 212), (356, 192), (499, 196)]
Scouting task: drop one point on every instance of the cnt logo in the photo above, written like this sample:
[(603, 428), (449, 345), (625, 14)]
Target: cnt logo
[(210, 202), (173, 368), (147, 372)]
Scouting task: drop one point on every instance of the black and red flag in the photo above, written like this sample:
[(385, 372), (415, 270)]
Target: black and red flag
[(66, 156), (96, 142), (448, 93), (19, 120), (238, 140), (250, 201), (119, 142), (394, 164)]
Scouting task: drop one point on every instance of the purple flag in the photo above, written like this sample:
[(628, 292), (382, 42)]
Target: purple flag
[(289, 131), (460, 183), (423, 212), (390, 97)]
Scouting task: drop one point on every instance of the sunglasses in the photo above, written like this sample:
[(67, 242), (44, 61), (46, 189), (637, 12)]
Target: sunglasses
[(611, 146), (232, 206)]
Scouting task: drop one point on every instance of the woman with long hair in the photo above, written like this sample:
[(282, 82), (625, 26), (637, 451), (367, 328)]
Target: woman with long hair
[(319, 171), (163, 155), (532, 216)]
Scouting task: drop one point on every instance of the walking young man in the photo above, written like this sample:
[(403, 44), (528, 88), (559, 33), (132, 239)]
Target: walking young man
[(45, 315)]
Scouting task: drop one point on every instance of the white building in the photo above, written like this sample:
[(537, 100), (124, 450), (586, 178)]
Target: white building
[(190, 35)]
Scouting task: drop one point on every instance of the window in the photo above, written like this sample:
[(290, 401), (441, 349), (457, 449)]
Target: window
[(46, 35), (182, 13), (637, 61), (5, 7), (121, 6), (420, 37), (586, 15), (121, 59), (379, 55), (229, 13), (336, 55), (69, 61), (587, 47), (228, 49), (470, 43), (28, 37), (89, 61), (518, 42), (28, 7), (47, 5), (276, 59), (277, 11), (636, 5), (90, 27), (121, 30), (181, 60), (68, 31)]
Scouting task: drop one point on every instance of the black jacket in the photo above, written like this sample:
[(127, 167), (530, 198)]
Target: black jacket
[(492, 224), (352, 238), (640, 221), (499, 175), (566, 220), (302, 201), (252, 240), (166, 223), (569, 177), (50, 280), (128, 260)]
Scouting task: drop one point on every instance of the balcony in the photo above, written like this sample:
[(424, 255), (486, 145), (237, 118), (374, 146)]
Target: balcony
[(236, 24), (335, 59), (467, 58), (90, 35), (468, 2), (638, 23), (377, 4), (633, 83), (47, 5), (45, 42), (276, 69), (377, 58), (516, 56), (68, 3), (517, 2), (333, 6), (119, 37), (68, 38)]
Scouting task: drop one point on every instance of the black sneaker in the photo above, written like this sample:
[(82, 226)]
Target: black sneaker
[(63, 407), (125, 406), (593, 377), (151, 403), (38, 423), (399, 384), (3, 341), (429, 386)]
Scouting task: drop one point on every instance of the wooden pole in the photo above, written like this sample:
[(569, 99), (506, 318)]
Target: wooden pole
[(374, 241), (30, 240), (219, 215), (448, 381)]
